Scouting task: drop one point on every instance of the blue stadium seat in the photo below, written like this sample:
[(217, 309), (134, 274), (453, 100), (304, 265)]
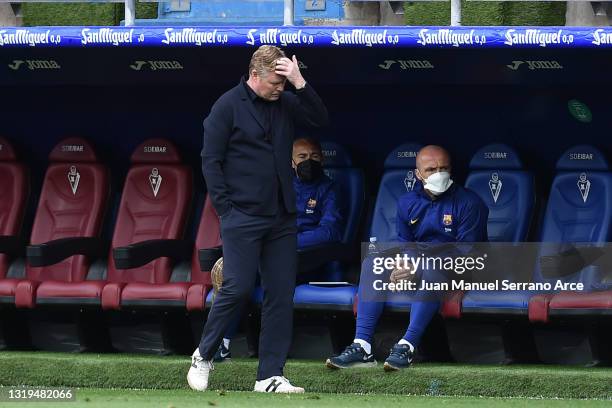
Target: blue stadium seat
[(350, 184), (507, 303), (397, 179), (579, 211), (498, 177), (580, 205), (312, 297), (351, 196)]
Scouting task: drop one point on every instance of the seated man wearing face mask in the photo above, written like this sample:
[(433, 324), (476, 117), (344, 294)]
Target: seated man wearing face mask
[(318, 217), (435, 211)]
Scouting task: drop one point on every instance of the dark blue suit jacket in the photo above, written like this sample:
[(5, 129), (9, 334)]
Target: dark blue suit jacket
[(240, 166)]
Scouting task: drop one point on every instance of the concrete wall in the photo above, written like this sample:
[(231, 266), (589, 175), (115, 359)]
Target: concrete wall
[(362, 13), (581, 14), (7, 16), (388, 17), (355, 13)]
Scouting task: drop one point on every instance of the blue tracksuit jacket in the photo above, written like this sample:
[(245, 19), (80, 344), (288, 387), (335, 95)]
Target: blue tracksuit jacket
[(318, 217), (457, 215)]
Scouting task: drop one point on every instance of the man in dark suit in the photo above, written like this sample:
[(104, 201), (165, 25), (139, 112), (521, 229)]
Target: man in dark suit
[(246, 162)]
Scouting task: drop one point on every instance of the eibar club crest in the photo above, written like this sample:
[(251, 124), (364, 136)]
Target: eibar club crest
[(310, 205), (447, 219), (155, 179), (584, 186), (73, 178), (409, 180), (495, 185)]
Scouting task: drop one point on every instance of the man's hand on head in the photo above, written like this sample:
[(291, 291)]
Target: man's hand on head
[(290, 69)]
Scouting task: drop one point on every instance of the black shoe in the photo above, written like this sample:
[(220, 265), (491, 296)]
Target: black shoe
[(352, 356), (222, 354), (399, 357)]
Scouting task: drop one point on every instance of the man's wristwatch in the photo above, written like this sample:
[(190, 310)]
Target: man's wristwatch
[(301, 87)]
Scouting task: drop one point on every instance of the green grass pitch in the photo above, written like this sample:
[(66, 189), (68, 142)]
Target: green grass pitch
[(105, 398), (120, 380)]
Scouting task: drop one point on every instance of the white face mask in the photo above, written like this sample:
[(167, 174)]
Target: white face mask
[(438, 183)]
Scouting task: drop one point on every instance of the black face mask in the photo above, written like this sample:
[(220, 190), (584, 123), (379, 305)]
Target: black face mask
[(309, 170)]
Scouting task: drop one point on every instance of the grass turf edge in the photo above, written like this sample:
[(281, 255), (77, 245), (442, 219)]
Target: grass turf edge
[(152, 372)]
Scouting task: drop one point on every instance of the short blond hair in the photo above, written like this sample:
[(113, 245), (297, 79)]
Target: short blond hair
[(264, 59)]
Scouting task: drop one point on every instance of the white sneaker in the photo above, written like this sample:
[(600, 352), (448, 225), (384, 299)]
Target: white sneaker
[(197, 377), (276, 384)]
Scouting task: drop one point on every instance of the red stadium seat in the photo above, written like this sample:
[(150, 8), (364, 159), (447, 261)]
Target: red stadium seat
[(148, 237), (565, 304), (148, 248), (189, 294), (67, 224), (208, 236), (581, 304), (14, 192)]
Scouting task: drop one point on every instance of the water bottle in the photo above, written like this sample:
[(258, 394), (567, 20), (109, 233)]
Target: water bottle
[(372, 247)]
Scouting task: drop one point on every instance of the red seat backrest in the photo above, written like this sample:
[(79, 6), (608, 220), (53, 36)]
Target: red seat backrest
[(208, 236), (155, 204), (14, 192), (73, 202)]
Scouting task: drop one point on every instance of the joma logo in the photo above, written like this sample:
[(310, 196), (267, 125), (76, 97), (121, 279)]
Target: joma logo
[(535, 65), (33, 65), (407, 64), (156, 65)]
